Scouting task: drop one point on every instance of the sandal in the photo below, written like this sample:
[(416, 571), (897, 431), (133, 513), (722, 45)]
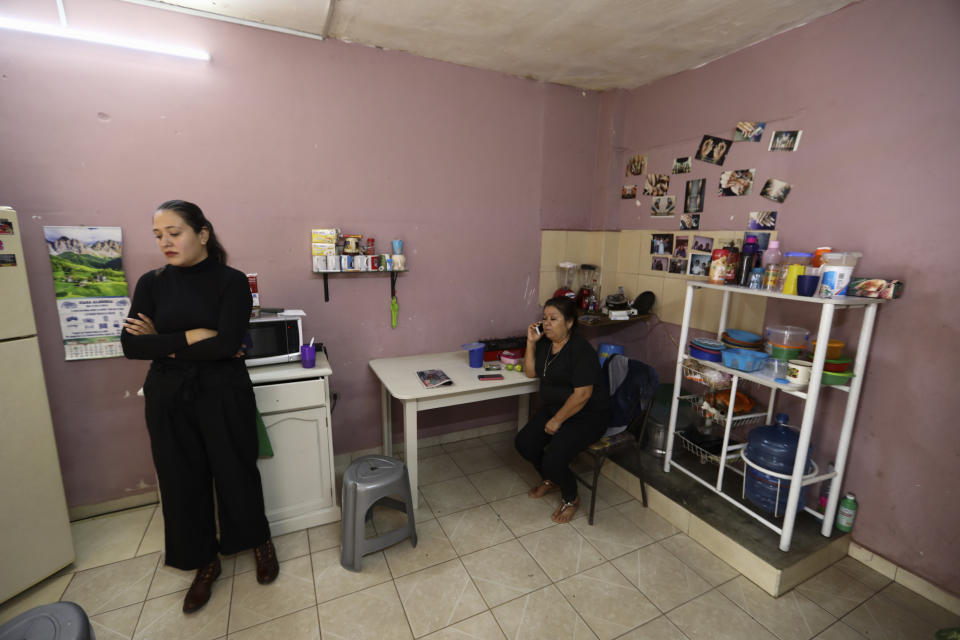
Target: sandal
[(542, 489), (566, 511)]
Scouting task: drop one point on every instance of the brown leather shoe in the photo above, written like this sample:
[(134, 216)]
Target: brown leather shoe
[(267, 566), (199, 592)]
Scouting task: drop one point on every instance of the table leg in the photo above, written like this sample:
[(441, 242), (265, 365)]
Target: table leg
[(386, 420), (410, 447), (523, 410)]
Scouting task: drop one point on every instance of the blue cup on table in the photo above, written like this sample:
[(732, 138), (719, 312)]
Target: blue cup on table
[(475, 349), (308, 356), (397, 246)]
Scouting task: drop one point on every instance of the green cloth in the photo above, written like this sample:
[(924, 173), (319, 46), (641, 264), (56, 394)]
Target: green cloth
[(266, 451)]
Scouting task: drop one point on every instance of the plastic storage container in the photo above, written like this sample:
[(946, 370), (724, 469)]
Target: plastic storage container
[(836, 272), (744, 359), (773, 447), (785, 342)]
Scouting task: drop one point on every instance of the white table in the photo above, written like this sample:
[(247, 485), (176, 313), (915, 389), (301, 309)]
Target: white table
[(398, 379)]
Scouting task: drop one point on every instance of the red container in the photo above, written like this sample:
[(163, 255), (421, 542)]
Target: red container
[(718, 266)]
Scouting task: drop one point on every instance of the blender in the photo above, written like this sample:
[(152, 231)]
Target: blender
[(565, 271), (588, 275)]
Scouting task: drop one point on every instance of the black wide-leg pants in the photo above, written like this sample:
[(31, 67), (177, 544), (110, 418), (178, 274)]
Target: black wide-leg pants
[(202, 423), (551, 455)]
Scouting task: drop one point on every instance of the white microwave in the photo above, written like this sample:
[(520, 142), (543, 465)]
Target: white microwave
[(273, 338)]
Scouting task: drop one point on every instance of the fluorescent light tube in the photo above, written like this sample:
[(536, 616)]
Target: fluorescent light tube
[(103, 38)]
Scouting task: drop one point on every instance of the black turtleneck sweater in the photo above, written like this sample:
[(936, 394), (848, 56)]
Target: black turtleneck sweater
[(208, 295)]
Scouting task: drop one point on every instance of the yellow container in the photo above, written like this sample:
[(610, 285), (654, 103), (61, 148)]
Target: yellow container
[(790, 282), (834, 349)]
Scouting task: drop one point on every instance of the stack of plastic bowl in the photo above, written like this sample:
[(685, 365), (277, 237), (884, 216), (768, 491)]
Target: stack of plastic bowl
[(707, 349), (739, 339), (785, 342)]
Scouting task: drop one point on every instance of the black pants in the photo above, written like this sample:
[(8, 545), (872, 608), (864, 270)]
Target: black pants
[(202, 423), (551, 455)]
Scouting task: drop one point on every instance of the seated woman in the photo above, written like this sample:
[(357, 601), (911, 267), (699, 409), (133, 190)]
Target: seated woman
[(575, 399)]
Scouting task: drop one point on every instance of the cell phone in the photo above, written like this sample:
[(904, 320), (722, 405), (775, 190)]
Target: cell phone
[(539, 328), (490, 376)]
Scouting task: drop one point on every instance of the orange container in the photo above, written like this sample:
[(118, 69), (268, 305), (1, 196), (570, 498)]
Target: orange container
[(834, 348)]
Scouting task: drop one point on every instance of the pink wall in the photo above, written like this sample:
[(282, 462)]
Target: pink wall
[(874, 89), (277, 135)]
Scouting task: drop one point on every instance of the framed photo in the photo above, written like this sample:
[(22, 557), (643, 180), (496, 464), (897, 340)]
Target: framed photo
[(689, 221), (661, 243), (681, 165), (776, 190), (749, 131), (785, 140), (738, 182), (663, 206), (656, 184), (677, 265), (699, 264), (628, 192), (703, 243), (693, 201), (763, 220), (713, 150), (659, 264)]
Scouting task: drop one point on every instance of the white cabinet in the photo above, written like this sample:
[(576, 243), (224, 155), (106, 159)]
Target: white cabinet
[(810, 394), (298, 481)]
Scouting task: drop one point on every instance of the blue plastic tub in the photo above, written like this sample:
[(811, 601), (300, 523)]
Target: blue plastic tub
[(605, 350), (744, 359)]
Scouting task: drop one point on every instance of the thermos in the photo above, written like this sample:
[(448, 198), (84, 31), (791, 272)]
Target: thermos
[(747, 260), (846, 513)]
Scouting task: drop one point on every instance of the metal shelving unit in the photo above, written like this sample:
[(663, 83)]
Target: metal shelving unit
[(688, 368)]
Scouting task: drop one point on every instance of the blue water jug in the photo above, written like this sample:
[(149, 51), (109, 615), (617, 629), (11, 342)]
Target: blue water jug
[(772, 447)]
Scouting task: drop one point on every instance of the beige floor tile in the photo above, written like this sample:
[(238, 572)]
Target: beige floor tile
[(169, 579), (920, 606), (110, 538), (302, 625), (118, 624), (432, 548), (163, 618), (479, 627), (713, 617), (437, 469), (608, 603), (881, 617), (647, 519), (542, 614), (660, 576), (153, 538), (610, 492), (372, 614), (462, 445), (387, 518), (332, 581), (500, 438), (254, 603), (431, 451), (46, 592), (113, 586), (474, 529), (499, 483), (835, 591), (438, 597), (612, 533), (657, 629), (526, 472), (524, 514), (839, 631), (323, 537), (792, 616), (289, 546), (477, 459), (561, 551), (856, 569), (504, 572), (451, 496), (694, 555)]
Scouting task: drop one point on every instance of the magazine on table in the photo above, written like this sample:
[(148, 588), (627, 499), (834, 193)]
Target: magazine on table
[(434, 378)]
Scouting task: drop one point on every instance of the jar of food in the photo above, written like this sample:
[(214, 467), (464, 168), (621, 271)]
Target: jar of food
[(818, 256), (718, 266)]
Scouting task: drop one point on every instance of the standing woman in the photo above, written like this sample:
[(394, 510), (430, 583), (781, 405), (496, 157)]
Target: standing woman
[(189, 317), (574, 413)]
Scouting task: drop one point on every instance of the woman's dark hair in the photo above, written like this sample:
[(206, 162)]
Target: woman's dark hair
[(567, 309), (193, 216)]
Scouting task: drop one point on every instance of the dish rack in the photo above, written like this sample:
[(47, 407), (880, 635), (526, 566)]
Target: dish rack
[(734, 452), (755, 417), (696, 372)]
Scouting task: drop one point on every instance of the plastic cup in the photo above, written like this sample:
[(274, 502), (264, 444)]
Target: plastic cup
[(475, 349), (308, 356), (397, 246), (807, 285)]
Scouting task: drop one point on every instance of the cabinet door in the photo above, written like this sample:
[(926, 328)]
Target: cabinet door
[(297, 480)]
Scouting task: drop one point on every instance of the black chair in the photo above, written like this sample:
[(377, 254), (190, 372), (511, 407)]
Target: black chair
[(633, 386)]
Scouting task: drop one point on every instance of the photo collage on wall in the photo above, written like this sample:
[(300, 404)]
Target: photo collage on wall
[(738, 182)]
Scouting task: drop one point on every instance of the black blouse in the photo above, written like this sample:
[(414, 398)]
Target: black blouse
[(575, 365)]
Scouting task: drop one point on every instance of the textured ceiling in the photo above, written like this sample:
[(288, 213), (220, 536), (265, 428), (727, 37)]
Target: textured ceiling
[(590, 44)]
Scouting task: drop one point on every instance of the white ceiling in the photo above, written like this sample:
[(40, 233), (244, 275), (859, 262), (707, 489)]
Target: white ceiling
[(590, 44)]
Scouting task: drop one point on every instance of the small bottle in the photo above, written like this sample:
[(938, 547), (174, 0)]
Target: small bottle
[(846, 513), (756, 278)]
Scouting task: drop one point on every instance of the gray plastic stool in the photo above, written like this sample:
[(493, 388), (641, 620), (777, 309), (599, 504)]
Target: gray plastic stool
[(366, 481), (57, 621)]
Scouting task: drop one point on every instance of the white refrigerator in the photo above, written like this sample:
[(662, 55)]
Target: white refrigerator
[(35, 539)]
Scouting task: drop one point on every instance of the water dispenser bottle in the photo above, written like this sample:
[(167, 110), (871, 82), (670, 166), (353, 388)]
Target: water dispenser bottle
[(772, 447)]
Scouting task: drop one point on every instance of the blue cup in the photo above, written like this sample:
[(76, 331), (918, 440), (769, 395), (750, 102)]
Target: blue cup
[(475, 349), (308, 356), (397, 247), (606, 350)]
